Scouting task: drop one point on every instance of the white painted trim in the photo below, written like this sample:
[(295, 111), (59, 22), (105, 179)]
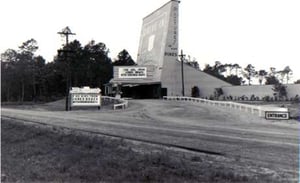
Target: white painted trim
[(253, 109), (123, 104)]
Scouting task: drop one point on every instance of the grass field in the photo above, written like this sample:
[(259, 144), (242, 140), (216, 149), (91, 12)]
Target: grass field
[(51, 154)]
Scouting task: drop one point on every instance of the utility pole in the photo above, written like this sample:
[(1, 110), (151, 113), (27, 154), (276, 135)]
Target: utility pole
[(182, 56), (66, 32)]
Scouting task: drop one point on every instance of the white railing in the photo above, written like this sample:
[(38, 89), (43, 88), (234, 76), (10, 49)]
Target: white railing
[(118, 103), (260, 110)]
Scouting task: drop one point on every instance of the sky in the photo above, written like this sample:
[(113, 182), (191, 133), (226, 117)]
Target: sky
[(264, 33)]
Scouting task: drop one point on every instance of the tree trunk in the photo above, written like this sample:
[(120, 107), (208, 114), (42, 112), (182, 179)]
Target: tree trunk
[(7, 94), (23, 91), (34, 90)]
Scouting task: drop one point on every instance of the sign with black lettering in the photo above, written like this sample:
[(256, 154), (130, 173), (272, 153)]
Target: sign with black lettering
[(171, 54), (132, 72), (85, 99), (85, 96), (276, 115)]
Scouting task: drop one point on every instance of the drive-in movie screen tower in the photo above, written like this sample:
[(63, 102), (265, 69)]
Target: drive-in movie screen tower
[(150, 91)]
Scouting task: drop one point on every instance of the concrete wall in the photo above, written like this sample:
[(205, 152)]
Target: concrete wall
[(171, 79), (204, 81), (259, 90)]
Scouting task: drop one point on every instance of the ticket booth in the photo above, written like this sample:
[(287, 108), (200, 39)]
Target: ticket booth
[(85, 97)]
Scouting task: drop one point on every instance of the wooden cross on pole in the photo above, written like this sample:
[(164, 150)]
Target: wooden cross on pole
[(66, 32)]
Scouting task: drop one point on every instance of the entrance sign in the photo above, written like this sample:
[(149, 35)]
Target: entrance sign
[(277, 115), (132, 72), (85, 96)]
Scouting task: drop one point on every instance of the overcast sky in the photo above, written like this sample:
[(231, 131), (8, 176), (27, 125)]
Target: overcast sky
[(263, 33)]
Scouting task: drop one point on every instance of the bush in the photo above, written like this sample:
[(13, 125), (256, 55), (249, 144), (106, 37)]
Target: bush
[(296, 99), (280, 91), (266, 98), (218, 92), (243, 98), (252, 98)]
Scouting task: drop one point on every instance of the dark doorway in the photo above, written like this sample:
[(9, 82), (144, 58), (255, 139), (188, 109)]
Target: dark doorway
[(142, 91), (164, 92)]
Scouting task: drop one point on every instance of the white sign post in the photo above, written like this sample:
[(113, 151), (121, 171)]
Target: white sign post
[(85, 96)]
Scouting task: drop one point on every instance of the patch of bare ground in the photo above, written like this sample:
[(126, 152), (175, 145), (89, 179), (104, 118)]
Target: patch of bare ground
[(32, 153)]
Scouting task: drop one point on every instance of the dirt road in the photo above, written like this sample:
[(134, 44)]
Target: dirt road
[(238, 139)]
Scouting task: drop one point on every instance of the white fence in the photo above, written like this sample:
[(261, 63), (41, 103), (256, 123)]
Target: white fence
[(254, 109), (118, 103)]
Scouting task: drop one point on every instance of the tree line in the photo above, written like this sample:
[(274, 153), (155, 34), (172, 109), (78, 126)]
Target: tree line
[(236, 75), (28, 77)]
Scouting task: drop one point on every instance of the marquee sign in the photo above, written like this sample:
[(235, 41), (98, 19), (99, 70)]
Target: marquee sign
[(85, 96), (132, 72), (277, 115)]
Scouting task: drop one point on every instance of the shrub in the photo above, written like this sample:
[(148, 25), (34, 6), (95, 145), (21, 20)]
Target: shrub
[(243, 98), (280, 90), (266, 98), (218, 92), (296, 99)]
